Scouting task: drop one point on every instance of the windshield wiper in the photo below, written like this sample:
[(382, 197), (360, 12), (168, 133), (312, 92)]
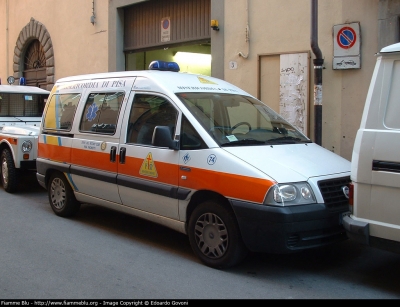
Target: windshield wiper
[(244, 142), (288, 140)]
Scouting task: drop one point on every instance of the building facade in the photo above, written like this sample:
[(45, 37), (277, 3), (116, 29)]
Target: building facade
[(262, 46)]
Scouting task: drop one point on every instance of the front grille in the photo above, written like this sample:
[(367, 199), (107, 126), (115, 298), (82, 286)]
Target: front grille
[(292, 240), (332, 192), (315, 238)]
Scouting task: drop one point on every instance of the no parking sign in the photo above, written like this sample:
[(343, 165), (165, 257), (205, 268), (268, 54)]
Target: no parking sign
[(165, 29), (346, 46), (346, 37)]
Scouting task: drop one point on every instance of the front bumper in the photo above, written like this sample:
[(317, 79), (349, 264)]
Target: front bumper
[(280, 230), (356, 230), (28, 164)]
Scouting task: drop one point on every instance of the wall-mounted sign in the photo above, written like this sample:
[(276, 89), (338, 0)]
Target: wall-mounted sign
[(165, 29), (346, 46)]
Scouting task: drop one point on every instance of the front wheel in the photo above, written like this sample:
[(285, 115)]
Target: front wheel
[(61, 196), (8, 172), (215, 237)]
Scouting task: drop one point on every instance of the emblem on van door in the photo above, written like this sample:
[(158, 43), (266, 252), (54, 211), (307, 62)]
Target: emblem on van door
[(103, 146), (186, 158), (345, 190), (211, 159), (148, 167), (91, 112)]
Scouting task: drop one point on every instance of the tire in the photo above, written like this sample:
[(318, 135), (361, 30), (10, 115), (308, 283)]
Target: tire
[(215, 237), (61, 196), (8, 172)]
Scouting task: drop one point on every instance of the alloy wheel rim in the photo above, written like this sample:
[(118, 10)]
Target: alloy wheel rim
[(4, 171), (211, 235), (58, 193)]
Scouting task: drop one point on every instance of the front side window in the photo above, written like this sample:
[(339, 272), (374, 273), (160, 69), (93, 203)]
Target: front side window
[(237, 120), (61, 111), (190, 138), (149, 111), (101, 112)]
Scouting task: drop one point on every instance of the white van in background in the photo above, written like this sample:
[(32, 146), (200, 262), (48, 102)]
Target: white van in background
[(21, 109), (375, 165)]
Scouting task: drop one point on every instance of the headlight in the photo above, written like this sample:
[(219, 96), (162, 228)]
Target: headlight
[(290, 194), (26, 146)]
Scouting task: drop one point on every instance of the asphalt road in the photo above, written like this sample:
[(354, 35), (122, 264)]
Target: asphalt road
[(102, 254)]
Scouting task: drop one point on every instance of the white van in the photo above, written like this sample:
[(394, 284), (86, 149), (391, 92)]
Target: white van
[(375, 164), (21, 110), (193, 153)]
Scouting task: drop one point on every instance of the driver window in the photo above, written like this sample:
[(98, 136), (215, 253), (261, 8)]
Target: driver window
[(190, 139), (149, 111)]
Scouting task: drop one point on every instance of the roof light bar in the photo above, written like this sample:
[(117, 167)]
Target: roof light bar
[(164, 66)]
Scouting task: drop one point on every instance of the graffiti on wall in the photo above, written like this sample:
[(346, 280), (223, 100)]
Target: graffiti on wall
[(293, 103)]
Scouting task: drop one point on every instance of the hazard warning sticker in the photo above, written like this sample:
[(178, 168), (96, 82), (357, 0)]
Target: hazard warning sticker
[(205, 81), (148, 167)]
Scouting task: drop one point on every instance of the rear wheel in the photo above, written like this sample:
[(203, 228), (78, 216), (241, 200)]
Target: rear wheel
[(8, 172), (215, 237), (61, 196)]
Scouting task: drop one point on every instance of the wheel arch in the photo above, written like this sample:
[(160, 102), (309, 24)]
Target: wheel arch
[(4, 144), (205, 195), (49, 173)]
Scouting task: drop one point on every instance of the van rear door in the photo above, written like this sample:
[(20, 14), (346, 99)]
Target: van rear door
[(94, 158)]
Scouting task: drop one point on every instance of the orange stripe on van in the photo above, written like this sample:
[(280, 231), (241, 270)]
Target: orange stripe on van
[(85, 158), (54, 152), (12, 141), (94, 159), (166, 172), (230, 185)]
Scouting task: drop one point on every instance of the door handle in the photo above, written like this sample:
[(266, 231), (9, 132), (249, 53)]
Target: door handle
[(113, 153), (122, 154)]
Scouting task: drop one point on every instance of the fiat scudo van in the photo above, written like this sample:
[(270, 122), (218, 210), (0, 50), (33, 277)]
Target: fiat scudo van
[(193, 153)]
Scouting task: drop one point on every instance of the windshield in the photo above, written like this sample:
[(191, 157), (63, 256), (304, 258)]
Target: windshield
[(22, 104), (237, 120)]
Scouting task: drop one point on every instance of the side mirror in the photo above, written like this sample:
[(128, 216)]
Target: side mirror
[(162, 138)]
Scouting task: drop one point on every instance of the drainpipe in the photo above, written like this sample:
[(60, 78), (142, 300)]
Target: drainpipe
[(318, 66), (245, 56), (7, 39)]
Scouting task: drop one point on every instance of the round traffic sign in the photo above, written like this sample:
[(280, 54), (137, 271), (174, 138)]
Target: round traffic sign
[(165, 24), (346, 37)]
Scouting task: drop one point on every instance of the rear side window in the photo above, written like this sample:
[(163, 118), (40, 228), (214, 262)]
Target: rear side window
[(393, 106), (101, 112), (61, 111)]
